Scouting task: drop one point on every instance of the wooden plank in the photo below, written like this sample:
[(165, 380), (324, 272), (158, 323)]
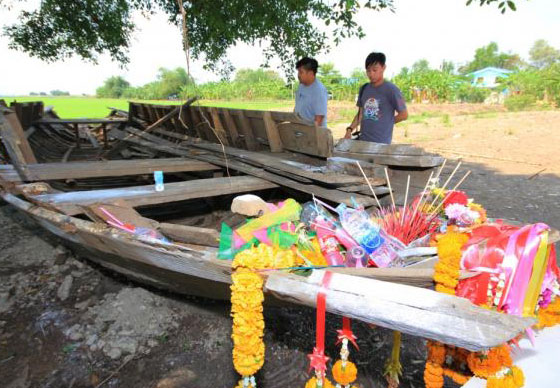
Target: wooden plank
[(349, 166), (11, 145), (190, 234), (231, 128), (307, 139), (395, 160), (146, 195), (12, 124), (108, 168), (368, 147), (335, 196), (48, 120), (218, 127), (294, 168), (411, 310), (272, 134), (247, 132)]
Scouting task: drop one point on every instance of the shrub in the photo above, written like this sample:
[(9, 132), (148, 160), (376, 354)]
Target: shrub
[(520, 102)]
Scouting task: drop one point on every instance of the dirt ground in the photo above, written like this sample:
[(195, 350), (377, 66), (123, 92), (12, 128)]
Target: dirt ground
[(65, 322)]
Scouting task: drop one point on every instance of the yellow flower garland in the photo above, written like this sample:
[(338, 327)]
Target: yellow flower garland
[(246, 304), (447, 269)]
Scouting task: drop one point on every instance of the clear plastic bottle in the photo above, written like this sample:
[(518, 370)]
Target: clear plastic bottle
[(158, 178), (360, 227)]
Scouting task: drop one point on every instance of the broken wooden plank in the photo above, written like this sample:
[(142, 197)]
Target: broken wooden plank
[(368, 147), (394, 160), (272, 134), (190, 234), (247, 132), (12, 124), (231, 128), (48, 120), (275, 163), (146, 195), (307, 139), (349, 166), (411, 310), (335, 196), (218, 127), (76, 170)]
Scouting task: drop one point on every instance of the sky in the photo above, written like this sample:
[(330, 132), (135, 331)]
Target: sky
[(430, 29)]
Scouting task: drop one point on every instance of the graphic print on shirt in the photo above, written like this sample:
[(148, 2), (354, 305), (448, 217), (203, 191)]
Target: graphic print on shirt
[(371, 109)]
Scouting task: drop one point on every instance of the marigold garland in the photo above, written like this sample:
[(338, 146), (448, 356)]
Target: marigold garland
[(511, 378), (447, 269), (246, 304), (433, 374), (487, 363), (550, 315), (457, 377)]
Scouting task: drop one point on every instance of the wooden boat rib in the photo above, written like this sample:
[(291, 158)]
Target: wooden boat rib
[(201, 188)]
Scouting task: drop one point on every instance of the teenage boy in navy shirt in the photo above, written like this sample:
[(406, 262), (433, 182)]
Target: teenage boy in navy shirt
[(381, 104)]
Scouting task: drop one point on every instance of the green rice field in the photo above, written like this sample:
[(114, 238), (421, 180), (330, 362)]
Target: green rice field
[(73, 107)]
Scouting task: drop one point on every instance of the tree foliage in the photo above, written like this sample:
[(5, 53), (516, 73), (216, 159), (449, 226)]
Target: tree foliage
[(113, 87), (57, 29), (255, 76), (542, 54), (490, 55)]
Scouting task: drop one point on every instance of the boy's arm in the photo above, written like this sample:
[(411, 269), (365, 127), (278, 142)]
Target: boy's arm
[(355, 122), (401, 116), (400, 106)]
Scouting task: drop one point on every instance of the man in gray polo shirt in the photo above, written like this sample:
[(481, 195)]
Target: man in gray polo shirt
[(311, 96), (381, 104)]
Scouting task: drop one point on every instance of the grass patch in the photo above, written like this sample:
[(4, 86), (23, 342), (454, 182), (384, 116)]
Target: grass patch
[(91, 107), (446, 120), (486, 115)]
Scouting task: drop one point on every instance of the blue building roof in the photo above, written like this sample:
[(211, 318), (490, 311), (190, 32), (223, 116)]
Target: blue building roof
[(488, 70)]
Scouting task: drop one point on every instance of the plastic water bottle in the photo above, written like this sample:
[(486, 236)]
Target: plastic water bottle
[(158, 178), (360, 227)]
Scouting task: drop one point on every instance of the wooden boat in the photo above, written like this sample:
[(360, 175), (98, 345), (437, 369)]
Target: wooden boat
[(62, 176)]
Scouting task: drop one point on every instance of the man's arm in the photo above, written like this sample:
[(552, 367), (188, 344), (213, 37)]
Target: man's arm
[(401, 116), (319, 120), (355, 122)]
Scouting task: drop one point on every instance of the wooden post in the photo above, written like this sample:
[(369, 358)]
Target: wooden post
[(77, 132), (274, 140), (105, 141)]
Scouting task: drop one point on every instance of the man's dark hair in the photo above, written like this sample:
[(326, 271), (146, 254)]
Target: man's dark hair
[(373, 58), (308, 64)]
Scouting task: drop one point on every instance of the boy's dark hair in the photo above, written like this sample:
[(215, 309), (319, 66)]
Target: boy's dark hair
[(308, 64), (373, 58)]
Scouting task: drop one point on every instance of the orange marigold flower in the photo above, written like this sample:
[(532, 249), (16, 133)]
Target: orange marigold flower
[(312, 383), (346, 374)]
